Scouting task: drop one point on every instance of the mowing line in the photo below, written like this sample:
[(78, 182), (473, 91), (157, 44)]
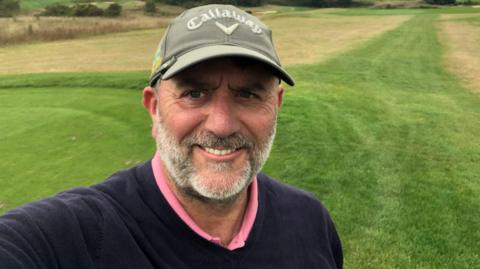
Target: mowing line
[(389, 140), (306, 40), (300, 40), (462, 43)]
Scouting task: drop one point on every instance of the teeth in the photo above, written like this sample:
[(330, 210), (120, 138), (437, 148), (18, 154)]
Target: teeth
[(219, 152)]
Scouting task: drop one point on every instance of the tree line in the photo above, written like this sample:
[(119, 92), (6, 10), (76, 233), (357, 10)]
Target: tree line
[(82, 10), (254, 3), (9, 8)]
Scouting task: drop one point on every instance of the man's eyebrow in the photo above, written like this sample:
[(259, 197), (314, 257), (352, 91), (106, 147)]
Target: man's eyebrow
[(255, 86), (188, 82)]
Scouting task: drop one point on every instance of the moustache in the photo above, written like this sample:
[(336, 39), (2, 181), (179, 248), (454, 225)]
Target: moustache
[(210, 140)]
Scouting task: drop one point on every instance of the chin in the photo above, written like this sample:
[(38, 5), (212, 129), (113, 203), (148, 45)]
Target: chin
[(220, 187)]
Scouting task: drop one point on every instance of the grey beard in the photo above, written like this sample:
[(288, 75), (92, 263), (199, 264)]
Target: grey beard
[(177, 158)]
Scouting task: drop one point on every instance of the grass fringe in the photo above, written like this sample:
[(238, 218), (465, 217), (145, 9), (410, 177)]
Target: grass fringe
[(122, 80)]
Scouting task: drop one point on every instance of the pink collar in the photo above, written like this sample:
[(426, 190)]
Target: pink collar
[(248, 219)]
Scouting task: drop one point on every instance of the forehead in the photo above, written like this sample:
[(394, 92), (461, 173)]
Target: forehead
[(235, 68)]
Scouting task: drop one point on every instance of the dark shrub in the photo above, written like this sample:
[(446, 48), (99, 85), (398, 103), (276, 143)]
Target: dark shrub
[(57, 10), (440, 2), (192, 3), (344, 3), (113, 10), (88, 10), (9, 8), (150, 7), (250, 3)]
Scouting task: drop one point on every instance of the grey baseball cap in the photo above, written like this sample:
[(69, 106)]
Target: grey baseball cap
[(212, 31)]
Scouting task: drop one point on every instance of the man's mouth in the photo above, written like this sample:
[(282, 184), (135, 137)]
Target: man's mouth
[(219, 152)]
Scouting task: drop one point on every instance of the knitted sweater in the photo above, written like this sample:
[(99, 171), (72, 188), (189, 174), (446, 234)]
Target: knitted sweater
[(125, 222)]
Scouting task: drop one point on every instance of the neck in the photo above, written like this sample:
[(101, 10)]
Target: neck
[(219, 219)]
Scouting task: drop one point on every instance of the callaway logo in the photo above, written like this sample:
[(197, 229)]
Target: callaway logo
[(227, 30), (196, 22)]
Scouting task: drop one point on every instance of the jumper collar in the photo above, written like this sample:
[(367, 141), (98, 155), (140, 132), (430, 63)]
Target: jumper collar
[(238, 240)]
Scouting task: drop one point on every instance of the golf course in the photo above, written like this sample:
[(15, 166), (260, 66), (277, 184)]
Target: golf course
[(383, 125)]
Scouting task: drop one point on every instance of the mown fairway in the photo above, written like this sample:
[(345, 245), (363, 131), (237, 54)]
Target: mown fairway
[(383, 134), (390, 142)]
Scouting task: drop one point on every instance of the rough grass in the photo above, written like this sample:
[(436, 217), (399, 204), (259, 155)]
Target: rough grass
[(115, 52), (30, 27), (327, 35), (461, 34), (27, 29), (30, 5)]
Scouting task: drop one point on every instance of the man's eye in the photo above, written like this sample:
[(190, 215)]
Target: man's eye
[(195, 94), (247, 94)]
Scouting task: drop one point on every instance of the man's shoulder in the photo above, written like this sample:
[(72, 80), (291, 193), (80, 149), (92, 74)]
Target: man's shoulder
[(124, 182), (73, 221), (291, 202), (88, 201), (297, 216), (117, 184), (281, 193)]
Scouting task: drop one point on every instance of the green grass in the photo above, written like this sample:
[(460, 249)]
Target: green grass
[(383, 135), (315, 13), (389, 141), (37, 4), (53, 139), (475, 21), (405, 11), (122, 80)]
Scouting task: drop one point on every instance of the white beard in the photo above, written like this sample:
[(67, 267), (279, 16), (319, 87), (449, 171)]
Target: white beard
[(177, 158)]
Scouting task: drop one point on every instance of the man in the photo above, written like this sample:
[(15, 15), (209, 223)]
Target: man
[(213, 98)]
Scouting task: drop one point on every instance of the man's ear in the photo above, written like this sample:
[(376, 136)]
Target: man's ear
[(150, 103), (280, 95)]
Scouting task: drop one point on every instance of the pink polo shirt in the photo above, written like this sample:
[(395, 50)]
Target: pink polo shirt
[(248, 219)]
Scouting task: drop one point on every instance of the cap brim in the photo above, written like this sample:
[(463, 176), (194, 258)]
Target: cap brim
[(201, 54)]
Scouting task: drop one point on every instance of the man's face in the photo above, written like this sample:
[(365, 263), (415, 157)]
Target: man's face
[(215, 124)]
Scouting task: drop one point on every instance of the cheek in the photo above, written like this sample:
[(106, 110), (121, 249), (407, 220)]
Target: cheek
[(177, 119), (181, 123), (262, 126), (260, 123)]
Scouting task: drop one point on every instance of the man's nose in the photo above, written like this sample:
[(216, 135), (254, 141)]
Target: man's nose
[(222, 116)]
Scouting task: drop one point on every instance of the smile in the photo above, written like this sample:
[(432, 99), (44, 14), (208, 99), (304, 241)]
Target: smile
[(219, 152)]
